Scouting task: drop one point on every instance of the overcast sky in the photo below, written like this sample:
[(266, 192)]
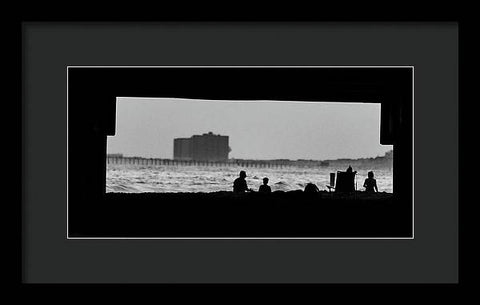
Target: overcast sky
[(257, 129)]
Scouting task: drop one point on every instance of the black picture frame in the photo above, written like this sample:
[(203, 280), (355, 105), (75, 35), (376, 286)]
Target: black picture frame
[(18, 27)]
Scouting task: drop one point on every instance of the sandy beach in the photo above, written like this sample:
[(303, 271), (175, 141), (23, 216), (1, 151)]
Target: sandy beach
[(225, 214)]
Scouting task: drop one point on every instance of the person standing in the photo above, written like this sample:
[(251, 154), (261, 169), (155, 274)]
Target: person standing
[(370, 183)]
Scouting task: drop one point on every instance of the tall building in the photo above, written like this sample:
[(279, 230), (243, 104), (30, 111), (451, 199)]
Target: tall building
[(205, 147), (182, 149)]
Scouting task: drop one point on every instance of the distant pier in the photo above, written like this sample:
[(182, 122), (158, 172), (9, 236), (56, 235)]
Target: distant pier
[(229, 163)]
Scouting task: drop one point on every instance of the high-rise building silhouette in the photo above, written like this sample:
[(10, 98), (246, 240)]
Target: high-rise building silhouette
[(205, 147)]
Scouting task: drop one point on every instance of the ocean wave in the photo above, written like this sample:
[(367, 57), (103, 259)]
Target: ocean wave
[(131, 179)]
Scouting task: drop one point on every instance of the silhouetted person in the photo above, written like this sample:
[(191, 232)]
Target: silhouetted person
[(240, 184), (349, 169), (370, 183), (311, 188), (265, 188)]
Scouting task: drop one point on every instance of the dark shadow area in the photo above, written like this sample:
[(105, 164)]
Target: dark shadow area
[(251, 214), (342, 213)]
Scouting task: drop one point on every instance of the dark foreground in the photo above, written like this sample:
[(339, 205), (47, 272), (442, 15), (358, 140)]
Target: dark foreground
[(225, 214)]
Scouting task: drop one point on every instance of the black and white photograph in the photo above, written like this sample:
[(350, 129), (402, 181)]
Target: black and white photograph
[(240, 152)]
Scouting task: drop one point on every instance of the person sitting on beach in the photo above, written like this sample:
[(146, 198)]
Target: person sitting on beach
[(370, 183), (311, 188), (240, 184), (265, 188)]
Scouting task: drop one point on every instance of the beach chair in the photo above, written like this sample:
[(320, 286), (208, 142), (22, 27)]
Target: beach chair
[(332, 182), (345, 182)]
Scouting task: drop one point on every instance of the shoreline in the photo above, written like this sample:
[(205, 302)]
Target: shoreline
[(275, 195)]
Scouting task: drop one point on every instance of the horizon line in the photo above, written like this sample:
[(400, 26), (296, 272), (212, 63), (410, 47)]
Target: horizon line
[(277, 159)]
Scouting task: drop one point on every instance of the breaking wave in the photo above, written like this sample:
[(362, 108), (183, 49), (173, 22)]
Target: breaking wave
[(130, 178)]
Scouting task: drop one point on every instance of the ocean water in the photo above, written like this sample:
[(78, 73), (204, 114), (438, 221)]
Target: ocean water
[(137, 178)]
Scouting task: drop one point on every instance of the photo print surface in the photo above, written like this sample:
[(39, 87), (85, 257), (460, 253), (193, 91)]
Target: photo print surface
[(182, 145), (240, 152)]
